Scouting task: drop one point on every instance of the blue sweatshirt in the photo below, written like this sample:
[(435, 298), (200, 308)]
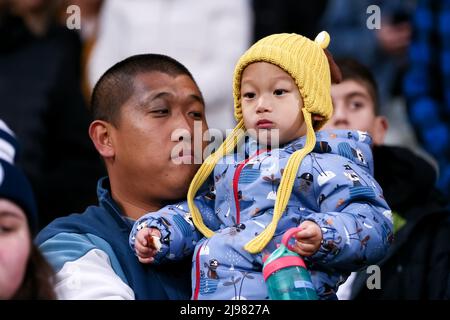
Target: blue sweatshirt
[(90, 255)]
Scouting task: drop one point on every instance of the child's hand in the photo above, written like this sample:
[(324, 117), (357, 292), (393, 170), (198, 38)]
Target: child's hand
[(308, 239), (146, 245)]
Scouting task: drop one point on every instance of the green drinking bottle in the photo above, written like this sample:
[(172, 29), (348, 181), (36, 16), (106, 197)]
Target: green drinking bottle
[(285, 273)]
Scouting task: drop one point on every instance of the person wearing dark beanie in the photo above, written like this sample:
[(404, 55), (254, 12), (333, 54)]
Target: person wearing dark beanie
[(24, 273)]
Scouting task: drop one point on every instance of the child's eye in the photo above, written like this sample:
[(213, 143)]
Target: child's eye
[(249, 95), (356, 105), (279, 92)]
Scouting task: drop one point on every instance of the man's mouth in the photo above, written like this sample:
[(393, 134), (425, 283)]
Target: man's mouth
[(184, 156), (264, 124)]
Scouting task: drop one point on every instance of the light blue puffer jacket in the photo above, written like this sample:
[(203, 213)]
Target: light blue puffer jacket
[(334, 188)]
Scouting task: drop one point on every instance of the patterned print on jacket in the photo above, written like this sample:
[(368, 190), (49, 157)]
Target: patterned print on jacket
[(334, 188)]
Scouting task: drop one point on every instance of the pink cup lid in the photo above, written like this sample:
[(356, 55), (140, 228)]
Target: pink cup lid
[(280, 263)]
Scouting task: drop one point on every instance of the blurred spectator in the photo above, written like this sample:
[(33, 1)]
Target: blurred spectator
[(287, 16), (42, 102), (24, 273), (89, 10), (206, 36), (427, 83), (383, 50), (36, 14), (417, 264)]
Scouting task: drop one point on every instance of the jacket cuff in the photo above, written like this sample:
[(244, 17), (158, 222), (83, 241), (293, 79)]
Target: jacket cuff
[(165, 238), (329, 247)]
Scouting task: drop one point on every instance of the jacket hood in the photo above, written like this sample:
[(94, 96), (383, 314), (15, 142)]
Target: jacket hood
[(408, 181)]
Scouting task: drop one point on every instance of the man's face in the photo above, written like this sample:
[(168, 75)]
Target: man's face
[(354, 109), (146, 134)]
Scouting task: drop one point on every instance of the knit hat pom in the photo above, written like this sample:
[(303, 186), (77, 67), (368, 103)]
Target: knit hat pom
[(323, 39)]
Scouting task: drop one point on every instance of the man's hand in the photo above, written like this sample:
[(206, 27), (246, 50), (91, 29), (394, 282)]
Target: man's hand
[(147, 244), (308, 239)]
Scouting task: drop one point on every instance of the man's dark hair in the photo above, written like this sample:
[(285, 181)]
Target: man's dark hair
[(116, 85), (354, 70)]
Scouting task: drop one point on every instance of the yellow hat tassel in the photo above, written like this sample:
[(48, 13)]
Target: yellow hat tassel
[(205, 170), (285, 189)]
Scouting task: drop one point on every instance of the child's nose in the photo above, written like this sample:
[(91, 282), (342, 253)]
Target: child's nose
[(339, 112), (264, 105)]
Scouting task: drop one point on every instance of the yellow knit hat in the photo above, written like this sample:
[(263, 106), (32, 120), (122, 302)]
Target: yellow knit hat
[(305, 61)]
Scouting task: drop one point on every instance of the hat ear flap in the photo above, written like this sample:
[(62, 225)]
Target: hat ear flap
[(205, 170)]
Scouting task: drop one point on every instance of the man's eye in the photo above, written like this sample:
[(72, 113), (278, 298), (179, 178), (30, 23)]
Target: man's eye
[(196, 115), (279, 92), (159, 112), (249, 95)]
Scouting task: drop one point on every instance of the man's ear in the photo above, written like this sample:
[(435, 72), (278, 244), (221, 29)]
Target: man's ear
[(100, 133), (380, 129)]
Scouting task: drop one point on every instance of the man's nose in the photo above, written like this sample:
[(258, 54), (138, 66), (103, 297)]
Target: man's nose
[(183, 128)]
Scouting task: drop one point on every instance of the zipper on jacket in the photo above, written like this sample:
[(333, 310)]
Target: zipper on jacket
[(237, 174), (197, 273)]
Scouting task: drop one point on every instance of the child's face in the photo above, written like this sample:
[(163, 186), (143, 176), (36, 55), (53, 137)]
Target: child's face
[(270, 100), (354, 109)]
